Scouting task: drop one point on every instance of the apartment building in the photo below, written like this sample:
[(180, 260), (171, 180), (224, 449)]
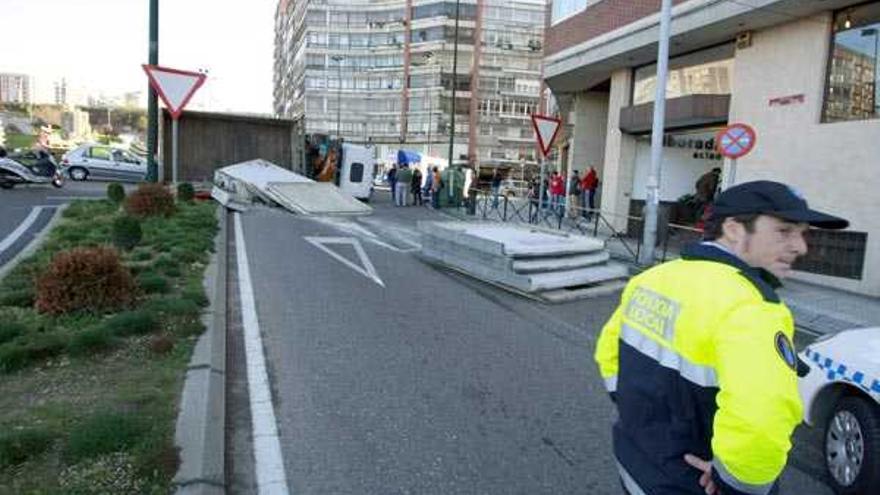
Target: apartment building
[(16, 88), (803, 74), (382, 72)]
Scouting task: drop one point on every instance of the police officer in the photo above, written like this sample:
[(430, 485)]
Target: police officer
[(698, 356)]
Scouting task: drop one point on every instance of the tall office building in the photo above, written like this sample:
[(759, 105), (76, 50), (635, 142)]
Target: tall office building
[(381, 72)]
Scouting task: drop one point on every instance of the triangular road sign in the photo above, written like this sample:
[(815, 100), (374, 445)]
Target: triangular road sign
[(175, 87), (366, 267), (546, 129)]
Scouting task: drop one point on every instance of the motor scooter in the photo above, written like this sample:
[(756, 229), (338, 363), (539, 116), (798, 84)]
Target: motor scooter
[(45, 171)]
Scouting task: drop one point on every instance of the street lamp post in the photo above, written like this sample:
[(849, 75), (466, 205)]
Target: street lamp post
[(428, 56), (454, 82), (338, 60)]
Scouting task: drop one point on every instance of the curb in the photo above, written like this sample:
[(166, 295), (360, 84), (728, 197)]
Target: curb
[(201, 423)]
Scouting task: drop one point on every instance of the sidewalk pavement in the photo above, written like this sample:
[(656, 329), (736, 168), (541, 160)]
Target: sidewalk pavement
[(816, 309)]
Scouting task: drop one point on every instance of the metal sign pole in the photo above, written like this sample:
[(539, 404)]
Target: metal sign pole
[(174, 151), (652, 197), (541, 204)]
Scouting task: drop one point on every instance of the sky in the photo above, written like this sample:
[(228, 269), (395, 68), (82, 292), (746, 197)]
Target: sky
[(100, 45)]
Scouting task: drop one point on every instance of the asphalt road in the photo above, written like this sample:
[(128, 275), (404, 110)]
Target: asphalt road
[(26, 210), (428, 382)]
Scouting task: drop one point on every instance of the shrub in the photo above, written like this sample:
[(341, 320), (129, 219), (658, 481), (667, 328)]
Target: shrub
[(104, 433), (85, 279), (150, 200), (127, 232), (185, 192), (19, 446), (10, 330), (137, 322), (115, 192), (12, 357), (90, 340), (152, 283)]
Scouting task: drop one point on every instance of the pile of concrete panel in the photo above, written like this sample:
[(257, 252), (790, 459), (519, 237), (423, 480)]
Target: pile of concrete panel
[(552, 266)]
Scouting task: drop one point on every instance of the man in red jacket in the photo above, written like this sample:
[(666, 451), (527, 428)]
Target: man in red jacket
[(557, 192), (589, 183)]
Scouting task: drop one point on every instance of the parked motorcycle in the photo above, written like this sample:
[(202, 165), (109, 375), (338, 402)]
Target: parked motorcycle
[(44, 171)]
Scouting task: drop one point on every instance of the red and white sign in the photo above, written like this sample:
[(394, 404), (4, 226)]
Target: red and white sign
[(546, 130), (736, 140), (175, 87)]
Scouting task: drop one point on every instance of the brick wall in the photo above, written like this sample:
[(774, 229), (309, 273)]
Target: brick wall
[(600, 18)]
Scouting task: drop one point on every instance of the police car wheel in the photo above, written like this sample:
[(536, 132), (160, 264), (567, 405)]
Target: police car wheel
[(852, 446)]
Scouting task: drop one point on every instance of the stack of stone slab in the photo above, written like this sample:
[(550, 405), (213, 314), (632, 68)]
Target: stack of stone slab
[(548, 265)]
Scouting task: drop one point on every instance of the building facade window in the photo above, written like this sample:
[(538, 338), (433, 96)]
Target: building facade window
[(563, 9), (704, 72), (852, 90)]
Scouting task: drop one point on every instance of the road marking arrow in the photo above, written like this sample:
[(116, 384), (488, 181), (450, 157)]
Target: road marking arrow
[(366, 269)]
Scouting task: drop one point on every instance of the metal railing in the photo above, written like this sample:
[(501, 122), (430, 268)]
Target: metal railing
[(671, 238)]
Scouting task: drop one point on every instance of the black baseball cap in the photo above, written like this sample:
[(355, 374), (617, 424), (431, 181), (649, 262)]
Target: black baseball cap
[(772, 198)]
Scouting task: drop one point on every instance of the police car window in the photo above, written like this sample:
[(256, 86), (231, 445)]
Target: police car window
[(357, 172)]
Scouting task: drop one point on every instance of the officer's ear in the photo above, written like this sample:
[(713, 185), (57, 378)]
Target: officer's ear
[(733, 231)]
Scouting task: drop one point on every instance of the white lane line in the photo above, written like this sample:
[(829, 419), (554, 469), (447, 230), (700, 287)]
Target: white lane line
[(21, 229), (269, 463), (367, 270)]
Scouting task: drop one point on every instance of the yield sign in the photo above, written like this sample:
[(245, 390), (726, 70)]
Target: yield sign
[(546, 129), (175, 87)]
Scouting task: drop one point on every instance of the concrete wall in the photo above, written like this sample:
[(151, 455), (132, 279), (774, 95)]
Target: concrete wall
[(589, 116), (834, 165), (620, 148), (597, 19)]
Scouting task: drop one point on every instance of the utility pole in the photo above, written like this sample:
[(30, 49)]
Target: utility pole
[(338, 60), (152, 104), (652, 198)]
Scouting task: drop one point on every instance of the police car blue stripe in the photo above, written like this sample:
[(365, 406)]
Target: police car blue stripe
[(839, 371)]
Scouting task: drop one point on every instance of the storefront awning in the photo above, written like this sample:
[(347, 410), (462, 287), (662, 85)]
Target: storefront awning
[(681, 113)]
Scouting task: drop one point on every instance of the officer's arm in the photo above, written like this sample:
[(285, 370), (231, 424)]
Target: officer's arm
[(607, 350), (758, 402)]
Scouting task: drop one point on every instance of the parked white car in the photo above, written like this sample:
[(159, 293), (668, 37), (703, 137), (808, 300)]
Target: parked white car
[(98, 161), (841, 393)]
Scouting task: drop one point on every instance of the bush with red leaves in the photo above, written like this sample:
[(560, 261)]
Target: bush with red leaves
[(150, 200), (90, 279)]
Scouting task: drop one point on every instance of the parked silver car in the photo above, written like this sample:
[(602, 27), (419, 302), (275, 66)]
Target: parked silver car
[(101, 162)]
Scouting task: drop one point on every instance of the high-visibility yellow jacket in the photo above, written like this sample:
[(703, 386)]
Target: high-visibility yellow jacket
[(698, 358)]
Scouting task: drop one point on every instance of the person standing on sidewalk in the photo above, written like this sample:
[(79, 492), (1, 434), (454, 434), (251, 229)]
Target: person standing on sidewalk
[(589, 184), (496, 187), (436, 185), (557, 192), (415, 186), (574, 193), (698, 356), (392, 181), (404, 177)]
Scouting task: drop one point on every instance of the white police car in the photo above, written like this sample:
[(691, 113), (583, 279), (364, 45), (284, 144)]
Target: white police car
[(840, 387)]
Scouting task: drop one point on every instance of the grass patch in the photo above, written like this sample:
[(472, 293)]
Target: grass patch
[(138, 322), (90, 341), (17, 447), (104, 433), (92, 404), (153, 283)]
